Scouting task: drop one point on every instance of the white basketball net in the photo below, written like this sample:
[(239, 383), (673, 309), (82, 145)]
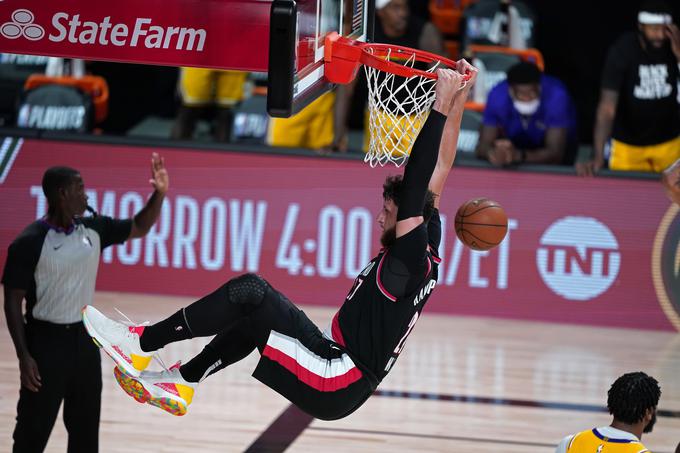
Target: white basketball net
[(398, 108)]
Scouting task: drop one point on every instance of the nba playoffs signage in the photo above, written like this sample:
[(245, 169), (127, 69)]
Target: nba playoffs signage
[(588, 251), (177, 33)]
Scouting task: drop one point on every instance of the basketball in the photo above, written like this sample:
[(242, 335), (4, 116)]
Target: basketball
[(481, 224)]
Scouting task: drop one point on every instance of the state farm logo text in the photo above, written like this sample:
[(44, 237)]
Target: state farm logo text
[(104, 32), (578, 258)]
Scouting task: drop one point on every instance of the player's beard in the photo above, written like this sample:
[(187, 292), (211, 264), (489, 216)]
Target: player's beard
[(653, 50), (388, 237), (650, 425)]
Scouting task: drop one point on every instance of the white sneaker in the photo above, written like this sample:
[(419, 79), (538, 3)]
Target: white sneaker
[(118, 340), (165, 389)]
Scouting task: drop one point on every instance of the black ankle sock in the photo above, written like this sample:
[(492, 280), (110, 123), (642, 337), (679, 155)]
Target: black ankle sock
[(195, 369), (169, 330)]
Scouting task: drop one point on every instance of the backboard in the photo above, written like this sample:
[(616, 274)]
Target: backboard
[(296, 47)]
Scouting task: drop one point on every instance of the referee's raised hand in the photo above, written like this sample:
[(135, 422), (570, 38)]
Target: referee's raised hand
[(159, 175)]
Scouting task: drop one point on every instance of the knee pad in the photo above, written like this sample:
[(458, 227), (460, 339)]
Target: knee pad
[(248, 289)]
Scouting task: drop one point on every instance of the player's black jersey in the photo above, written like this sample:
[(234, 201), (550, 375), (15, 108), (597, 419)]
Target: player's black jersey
[(373, 324)]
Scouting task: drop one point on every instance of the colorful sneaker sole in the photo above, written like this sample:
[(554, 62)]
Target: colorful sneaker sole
[(136, 390)]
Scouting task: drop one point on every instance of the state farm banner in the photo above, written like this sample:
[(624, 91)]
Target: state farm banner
[(596, 251), (230, 34)]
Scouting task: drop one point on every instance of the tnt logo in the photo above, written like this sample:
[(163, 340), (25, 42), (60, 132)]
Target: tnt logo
[(22, 25), (578, 258)]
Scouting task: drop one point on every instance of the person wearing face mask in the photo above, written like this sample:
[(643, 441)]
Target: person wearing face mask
[(632, 401), (638, 108), (529, 117)]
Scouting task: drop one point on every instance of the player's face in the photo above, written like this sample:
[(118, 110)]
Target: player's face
[(654, 34), (75, 199), (387, 220), (395, 15), (525, 92), (387, 217)]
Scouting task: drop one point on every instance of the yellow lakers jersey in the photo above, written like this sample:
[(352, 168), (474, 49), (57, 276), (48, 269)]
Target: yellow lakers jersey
[(593, 441)]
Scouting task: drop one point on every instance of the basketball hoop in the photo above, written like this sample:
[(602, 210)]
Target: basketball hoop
[(399, 94)]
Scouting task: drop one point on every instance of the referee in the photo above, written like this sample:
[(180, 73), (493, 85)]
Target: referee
[(53, 265)]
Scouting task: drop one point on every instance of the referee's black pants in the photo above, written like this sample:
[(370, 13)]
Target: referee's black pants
[(70, 368)]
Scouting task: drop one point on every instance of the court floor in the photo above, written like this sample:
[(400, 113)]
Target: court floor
[(461, 384)]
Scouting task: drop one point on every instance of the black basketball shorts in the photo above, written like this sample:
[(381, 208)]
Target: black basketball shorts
[(304, 366)]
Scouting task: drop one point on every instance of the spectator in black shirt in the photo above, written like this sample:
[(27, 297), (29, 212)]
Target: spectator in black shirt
[(638, 106)]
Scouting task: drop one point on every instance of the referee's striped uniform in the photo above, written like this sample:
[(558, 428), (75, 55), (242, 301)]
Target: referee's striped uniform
[(57, 268)]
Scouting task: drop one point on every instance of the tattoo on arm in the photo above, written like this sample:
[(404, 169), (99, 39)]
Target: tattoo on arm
[(487, 135), (606, 110)]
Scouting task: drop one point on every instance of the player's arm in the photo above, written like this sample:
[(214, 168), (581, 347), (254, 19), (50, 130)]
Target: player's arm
[(551, 153), (449, 141), (490, 145), (30, 376), (424, 154), (487, 136), (671, 181), (604, 121), (144, 219), (564, 444), (22, 259), (343, 99)]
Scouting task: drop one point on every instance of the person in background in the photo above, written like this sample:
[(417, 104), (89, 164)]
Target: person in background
[(312, 127), (638, 106), (53, 265), (394, 24), (317, 126), (529, 117), (632, 400), (201, 88)]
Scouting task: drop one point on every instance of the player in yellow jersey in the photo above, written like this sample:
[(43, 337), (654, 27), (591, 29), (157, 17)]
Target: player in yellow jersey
[(632, 400)]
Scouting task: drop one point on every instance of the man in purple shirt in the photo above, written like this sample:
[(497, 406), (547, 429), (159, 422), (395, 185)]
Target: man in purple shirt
[(529, 117)]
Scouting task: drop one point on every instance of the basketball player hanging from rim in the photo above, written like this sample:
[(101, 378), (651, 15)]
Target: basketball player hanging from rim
[(327, 374)]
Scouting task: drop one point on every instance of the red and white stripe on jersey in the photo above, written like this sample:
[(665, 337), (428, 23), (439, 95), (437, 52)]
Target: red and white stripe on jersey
[(336, 333), (435, 258), (325, 375), (379, 282)]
